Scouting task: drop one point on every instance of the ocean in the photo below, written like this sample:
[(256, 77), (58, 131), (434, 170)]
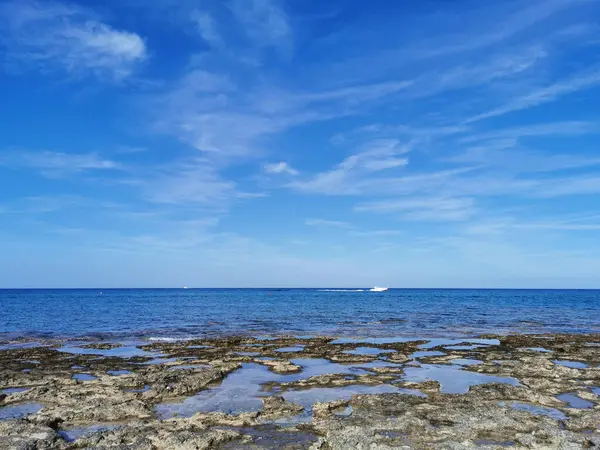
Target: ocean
[(186, 313)]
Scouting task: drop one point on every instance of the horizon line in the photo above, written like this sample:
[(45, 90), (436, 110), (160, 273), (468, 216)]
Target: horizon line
[(306, 288)]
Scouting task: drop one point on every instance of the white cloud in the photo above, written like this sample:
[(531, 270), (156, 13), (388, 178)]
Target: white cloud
[(280, 168), (264, 21), (495, 27), (423, 209), (216, 114), (60, 36), (375, 233), (568, 186), (565, 128), (464, 33), (207, 111), (336, 182), (392, 133), (190, 182), (387, 163), (543, 95), (506, 155), (207, 27), (327, 223), (45, 204), (510, 225), (355, 171), (358, 93), (56, 163), (384, 147), (483, 73), (333, 182), (561, 226), (251, 194)]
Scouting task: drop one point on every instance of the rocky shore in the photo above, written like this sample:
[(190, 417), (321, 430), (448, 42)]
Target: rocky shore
[(492, 392)]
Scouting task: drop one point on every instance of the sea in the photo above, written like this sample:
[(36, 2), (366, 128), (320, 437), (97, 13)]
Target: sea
[(164, 314)]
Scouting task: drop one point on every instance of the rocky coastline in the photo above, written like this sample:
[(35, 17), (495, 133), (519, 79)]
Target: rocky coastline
[(490, 392)]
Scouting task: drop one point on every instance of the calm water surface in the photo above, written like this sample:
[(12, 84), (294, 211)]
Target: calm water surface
[(212, 312)]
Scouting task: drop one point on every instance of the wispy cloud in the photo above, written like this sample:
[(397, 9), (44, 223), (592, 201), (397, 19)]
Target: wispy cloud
[(231, 119), (336, 182), (375, 233), (210, 112), (266, 95), (279, 168), (215, 113), (70, 38), (242, 30), (56, 163), (511, 225), (588, 184), (207, 27), (394, 132), (564, 128), (251, 194), (358, 93), (265, 22), (543, 95), (44, 204), (495, 68), (197, 111), (352, 173), (507, 156), (501, 25), (425, 209), (327, 223), (192, 182)]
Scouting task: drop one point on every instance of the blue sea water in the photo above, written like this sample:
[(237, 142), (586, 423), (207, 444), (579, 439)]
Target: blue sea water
[(179, 313)]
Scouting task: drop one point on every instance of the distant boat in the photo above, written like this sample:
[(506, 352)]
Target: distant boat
[(185, 287), (378, 289)]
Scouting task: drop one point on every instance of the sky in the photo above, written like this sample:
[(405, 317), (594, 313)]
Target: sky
[(300, 143)]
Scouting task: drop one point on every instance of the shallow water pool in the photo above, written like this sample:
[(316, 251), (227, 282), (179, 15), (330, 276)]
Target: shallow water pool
[(453, 380)]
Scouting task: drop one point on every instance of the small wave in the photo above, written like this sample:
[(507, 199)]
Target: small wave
[(169, 339), (341, 290)]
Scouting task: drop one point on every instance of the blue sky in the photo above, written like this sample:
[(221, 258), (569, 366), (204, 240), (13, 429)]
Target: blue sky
[(300, 143)]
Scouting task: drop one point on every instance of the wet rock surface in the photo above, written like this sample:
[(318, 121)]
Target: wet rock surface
[(492, 392)]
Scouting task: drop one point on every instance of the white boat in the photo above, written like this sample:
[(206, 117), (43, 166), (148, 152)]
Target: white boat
[(378, 289)]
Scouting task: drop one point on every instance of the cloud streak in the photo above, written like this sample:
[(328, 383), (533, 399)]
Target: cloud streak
[(423, 209), (191, 182), (543, 95), (327, 223), (56, 163), (511, 23), (349, 176), (53, 36)]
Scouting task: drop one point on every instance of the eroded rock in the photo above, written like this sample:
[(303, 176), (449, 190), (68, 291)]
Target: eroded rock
[(527, 415)]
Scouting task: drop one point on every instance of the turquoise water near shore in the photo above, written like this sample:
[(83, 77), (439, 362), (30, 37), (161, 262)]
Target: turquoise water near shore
[(183, 313)]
